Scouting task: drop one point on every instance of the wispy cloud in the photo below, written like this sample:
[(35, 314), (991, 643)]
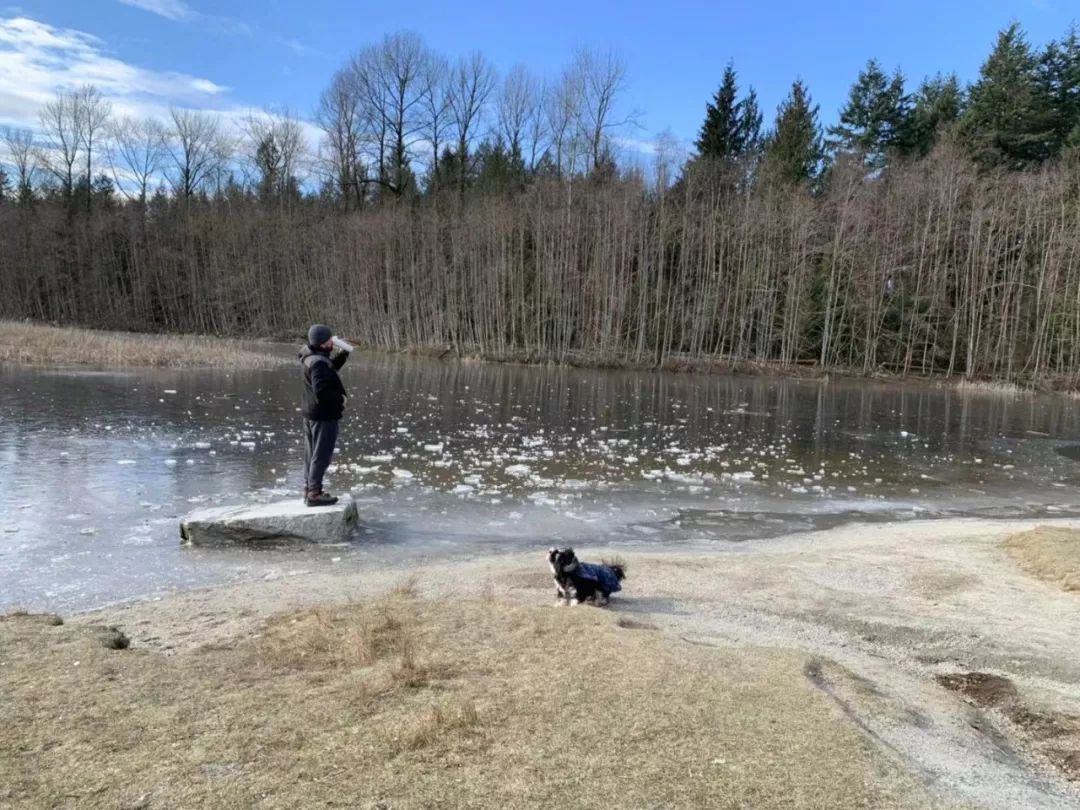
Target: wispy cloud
[(180, 11), (37, 60), (170, 9)]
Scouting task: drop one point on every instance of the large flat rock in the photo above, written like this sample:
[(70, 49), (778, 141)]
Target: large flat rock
[(269, 523)]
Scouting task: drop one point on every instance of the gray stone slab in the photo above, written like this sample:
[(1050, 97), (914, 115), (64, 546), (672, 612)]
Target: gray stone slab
[(270, 523)]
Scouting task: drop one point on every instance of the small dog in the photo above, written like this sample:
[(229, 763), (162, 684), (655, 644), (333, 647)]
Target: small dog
[(577, 582)]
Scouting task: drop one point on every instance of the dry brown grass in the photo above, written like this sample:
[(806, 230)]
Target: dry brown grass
[(1049, 553), (989, 387), (37, 344), (524, 707)]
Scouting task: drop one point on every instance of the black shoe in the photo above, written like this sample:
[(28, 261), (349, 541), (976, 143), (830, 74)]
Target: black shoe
[(320, 499)]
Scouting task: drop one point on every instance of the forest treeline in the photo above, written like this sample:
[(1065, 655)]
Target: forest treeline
[(933, 231)]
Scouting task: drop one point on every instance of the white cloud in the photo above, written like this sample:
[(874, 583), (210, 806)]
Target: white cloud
[(37, 60), (635, 144), (170, 9)]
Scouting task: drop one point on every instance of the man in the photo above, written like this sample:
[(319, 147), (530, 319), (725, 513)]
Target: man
[(322, 406)]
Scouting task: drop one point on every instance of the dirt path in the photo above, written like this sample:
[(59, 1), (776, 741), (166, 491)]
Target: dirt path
[(925, 636)]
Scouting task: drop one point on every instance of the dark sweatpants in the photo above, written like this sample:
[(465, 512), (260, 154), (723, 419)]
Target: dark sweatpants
[(319, 440)]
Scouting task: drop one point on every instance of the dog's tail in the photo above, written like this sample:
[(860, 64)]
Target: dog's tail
[(618, 567)]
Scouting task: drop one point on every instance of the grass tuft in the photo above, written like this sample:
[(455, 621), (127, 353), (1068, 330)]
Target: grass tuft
[(437, 721)]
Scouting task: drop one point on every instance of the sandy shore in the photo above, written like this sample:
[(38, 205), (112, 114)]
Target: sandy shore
[(943, 656)]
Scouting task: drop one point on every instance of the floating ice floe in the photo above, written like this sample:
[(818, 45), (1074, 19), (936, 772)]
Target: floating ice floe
[(434, 448), (170, 462), (519, 470), (681, 478), (402, 474), (125, 461)]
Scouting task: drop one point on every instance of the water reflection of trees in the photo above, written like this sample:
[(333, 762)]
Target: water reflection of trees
[(812, 413)]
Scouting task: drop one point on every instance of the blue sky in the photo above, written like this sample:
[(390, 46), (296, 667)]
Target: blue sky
[(231, 54)]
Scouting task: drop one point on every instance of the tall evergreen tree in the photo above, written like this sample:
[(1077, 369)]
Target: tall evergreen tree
[(498, 168), (720, 131), (873, 121), (731, 127), (1059, 78), (1007, 121), (750, 119), (5, 186), (793, 149), (937, 105)]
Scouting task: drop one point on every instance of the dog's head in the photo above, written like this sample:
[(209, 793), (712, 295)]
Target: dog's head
[(562, 560)]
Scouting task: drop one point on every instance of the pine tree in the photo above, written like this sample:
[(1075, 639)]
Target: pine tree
[(873, 121), (498, 169), (24, 194), (449, 165), (268, 162), (1059, 79), (719, 137), (103, 191), (937, 105), (1007, 121), (793, 149), (731, 127), (750, 119), (5, 186)]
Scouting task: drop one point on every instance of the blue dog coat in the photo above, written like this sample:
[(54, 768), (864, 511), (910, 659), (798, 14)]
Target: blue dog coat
[(600, 574)]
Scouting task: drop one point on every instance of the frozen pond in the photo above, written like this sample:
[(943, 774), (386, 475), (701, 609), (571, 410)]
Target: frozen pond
[(96, 468)]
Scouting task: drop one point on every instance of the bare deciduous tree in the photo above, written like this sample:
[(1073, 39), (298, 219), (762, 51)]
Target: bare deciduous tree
[(198, 150), (62, 138), (471, 84), (517, 106), (601, 79), (562, 111), (537, 134), (274, 145), (339, 117), (669, 155), (392, 83), (138, 155), (437, 114), (94, 111), (24, 157)]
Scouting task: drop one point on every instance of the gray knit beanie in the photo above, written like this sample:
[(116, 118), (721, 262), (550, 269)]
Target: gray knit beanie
[(319, 334)]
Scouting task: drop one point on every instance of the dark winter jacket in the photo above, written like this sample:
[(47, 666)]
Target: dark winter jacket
[(324, 395), (602, 575)]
